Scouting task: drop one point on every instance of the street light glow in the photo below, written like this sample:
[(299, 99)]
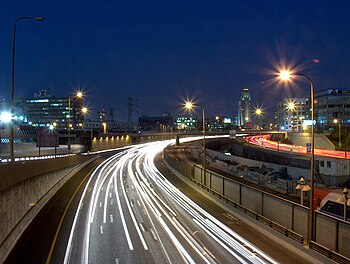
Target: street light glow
[(5, 117), (258, 111), (84, 110), (291, 106), (285, 75), (188, 105), (79, 94)]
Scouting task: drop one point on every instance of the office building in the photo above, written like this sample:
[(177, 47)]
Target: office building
[(44, 110), (244, 109), (185, 122), (332, 104), (294, 114)]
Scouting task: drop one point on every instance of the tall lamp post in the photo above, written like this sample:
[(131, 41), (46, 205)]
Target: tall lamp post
[(189, 106), (345, 192), (84, 110), (13, 79), (78, 95), (287, 75), (336, 121), (69, 127)]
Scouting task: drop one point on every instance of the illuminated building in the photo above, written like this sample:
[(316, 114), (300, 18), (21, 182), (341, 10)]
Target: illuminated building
[(244, 109), (185, 122), (218, 123), (293, 114), (44, 110), (331, 104)]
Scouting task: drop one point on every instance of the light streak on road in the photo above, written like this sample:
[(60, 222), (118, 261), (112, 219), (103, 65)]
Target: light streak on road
[(264, 141), (165, 207)]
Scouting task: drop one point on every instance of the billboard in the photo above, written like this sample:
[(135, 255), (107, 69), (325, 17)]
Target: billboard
[(47, 138)]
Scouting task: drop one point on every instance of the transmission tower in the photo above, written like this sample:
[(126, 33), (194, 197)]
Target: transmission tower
[(130, 110)]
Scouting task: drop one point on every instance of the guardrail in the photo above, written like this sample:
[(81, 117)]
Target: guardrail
[(276, 212)]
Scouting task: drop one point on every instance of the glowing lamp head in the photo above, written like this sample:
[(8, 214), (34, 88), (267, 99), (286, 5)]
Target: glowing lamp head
[(335, 121), (291, 106), (84, 110), (188, 105), (5, 117), (258, 111), (285, 75), (79, 94)]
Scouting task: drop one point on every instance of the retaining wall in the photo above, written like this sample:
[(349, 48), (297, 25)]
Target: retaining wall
[(25, 188)]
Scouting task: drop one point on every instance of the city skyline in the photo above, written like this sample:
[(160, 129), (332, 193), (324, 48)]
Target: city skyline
[(161, 53)]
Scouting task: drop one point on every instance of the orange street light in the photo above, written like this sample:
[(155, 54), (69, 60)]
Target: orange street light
[(84, 110)]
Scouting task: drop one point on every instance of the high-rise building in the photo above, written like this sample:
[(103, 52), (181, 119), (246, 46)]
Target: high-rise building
[(244, 109), (102, 115), (332, 104), (293, 114)]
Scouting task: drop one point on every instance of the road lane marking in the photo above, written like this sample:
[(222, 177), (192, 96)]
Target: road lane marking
[(138, 203), (153, 234), (231, 217), (211, 254), (126, 231), (106, 197), (100, 204), (101, 229), (141, 225), (48, 260), (111, 201), (130, 209), (111, 216)]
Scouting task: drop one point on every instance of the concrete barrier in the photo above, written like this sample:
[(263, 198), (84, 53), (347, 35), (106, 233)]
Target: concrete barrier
[(24, 190)]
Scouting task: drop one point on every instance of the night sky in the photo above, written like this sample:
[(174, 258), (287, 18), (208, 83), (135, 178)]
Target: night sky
[(160, 52)]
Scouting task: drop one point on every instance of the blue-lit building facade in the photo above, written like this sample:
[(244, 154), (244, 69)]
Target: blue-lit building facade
[(332, 104), (44, 110)]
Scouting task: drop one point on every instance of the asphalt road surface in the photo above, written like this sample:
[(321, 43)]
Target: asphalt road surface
[(129, 211)]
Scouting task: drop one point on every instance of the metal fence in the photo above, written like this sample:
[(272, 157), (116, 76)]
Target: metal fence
[(331, 235)]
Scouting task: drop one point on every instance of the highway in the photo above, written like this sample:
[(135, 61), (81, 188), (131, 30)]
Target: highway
[(264, 141), (130, 213)]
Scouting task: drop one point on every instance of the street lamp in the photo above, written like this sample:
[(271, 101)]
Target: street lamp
[(104, 124), (286, 76), (189, 106), (345, 192), (79, 95), (13, 79), (303, 188), (336, 121), (258, 113), (84, 110)]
